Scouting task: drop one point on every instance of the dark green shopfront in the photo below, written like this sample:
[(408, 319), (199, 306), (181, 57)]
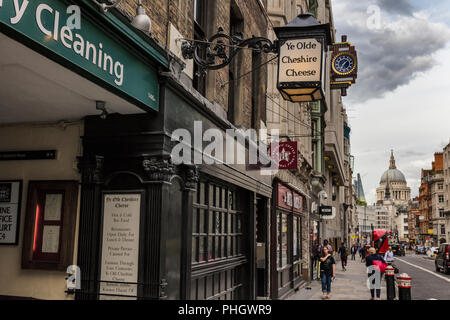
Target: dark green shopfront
[(142, 228)]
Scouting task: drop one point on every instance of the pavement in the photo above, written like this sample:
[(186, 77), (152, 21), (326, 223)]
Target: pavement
[(349, 285)]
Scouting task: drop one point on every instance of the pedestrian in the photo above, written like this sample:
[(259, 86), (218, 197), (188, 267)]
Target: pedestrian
[(325, 244), (362, 253), (389, 256), (344, 254), (353, 251), (375, 260), (327, 272)]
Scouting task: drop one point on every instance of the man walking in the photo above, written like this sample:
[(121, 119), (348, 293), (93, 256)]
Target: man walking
[(353, 251), (344, 253), (389, 256)]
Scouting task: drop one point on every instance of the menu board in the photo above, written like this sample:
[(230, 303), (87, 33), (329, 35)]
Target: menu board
[(10, 193), (120, 246)]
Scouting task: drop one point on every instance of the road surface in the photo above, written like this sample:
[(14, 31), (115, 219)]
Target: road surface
[(427, 284)]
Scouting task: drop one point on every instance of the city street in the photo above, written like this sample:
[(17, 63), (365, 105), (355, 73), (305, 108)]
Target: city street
[(427, 284)]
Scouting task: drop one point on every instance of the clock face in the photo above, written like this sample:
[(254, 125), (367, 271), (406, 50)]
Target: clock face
[(344, 64)]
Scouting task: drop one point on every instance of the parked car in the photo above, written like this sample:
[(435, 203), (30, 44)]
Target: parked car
[(442, 261), (432, 251), (398, 250), (420, 250)]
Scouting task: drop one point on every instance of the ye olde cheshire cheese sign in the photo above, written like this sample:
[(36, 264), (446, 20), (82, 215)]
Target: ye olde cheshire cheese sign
[(300, 61)]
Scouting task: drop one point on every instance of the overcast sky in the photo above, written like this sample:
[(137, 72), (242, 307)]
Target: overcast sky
[(402, 97)]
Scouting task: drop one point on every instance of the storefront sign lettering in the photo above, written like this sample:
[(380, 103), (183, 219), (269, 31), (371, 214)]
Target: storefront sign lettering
[(63, 30), (10, 197), (300, 61)]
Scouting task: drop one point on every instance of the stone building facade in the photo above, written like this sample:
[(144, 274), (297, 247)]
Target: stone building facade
[(446, 172)]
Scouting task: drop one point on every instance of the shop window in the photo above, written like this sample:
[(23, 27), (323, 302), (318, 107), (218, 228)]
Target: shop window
[(282, 250), (50, 225), (297, 238), (217, 231)]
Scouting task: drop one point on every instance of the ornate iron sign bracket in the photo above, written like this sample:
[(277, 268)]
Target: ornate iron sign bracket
[(218, 51)]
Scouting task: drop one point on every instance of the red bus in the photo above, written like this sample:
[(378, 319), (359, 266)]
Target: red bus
[(380, 239)]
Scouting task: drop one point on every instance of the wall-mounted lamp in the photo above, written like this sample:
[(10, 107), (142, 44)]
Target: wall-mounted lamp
[(101, 105), (142, 21), (105, 7)]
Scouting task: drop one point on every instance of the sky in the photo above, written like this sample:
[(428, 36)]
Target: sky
[(401, 100)]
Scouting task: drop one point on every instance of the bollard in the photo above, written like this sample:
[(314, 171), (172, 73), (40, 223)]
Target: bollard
[(390, 283), (404, 287)]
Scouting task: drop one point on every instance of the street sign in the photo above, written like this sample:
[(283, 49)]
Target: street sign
[(326, 210)]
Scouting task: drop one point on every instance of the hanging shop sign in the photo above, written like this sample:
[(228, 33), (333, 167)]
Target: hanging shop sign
[(301, 62), (285, 155), (344, 66), (120, 246), (28, 155), (100, 56), (290, 200), (10, 199)]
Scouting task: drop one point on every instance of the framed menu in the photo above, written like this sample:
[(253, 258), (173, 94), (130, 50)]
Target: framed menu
[(119, 272), (10, 200), (50, 225)]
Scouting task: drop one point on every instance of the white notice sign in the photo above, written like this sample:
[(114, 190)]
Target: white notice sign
[(9, 211), (120, 248), (53, 206), (50, 239), (300, 61)]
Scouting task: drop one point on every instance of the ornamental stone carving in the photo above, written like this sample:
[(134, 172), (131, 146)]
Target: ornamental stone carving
[(158, 169)]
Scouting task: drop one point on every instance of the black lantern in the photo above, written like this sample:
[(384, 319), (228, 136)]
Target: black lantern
[(303, 44)]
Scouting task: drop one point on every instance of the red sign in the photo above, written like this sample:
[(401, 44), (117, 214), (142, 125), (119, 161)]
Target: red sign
[(290, 200), (285, 156)]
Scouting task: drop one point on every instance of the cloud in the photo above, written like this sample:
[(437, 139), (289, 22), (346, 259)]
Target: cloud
[(403, 7), (397, 52)]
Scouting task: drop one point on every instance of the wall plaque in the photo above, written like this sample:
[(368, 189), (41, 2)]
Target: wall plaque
[(10, 198), (120, 246)]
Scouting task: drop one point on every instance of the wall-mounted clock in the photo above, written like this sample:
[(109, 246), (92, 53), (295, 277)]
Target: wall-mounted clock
[(344, 63)]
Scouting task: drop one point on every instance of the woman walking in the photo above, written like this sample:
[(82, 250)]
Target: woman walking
[(327, 272), (374, 260)]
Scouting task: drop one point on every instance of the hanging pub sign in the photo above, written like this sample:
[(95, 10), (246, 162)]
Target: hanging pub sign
[(10, 198), (344, 66), (285, 155), (301, 62)]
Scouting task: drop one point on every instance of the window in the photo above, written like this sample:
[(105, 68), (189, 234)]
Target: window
[(297, 238), (440, 186), (443, 229), (200, 23), (217, 227), (234, 71), (441, 213), (441, 198), (258, 104), (282, 239)]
